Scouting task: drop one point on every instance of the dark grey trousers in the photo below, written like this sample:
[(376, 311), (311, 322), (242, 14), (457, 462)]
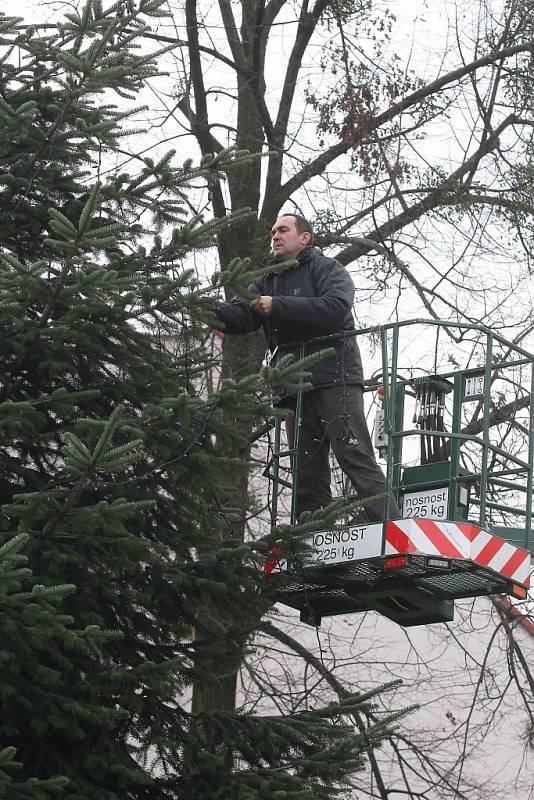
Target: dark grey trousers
[(334, 417)]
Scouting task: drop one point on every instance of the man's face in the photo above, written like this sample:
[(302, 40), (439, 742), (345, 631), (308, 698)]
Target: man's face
[(286, 241)]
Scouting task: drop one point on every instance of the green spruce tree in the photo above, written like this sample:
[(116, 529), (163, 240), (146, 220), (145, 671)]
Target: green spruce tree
[(107, 458), (42, 688)]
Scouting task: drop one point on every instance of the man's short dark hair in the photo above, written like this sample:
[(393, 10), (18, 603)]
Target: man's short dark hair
[(301, 224)]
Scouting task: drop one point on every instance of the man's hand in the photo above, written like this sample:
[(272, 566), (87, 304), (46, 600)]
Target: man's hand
[(262, 305)]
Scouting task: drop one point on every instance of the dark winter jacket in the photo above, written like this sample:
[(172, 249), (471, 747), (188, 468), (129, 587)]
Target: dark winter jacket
[(310, 300)]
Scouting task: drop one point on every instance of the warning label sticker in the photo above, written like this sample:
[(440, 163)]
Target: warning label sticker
[(431, 503), (474, 387), (347, 544)]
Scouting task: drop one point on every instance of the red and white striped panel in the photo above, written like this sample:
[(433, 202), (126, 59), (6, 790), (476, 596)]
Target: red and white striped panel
[(459, 540)]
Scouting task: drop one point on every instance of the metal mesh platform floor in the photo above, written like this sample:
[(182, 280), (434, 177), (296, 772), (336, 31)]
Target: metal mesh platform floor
[(401, 594)]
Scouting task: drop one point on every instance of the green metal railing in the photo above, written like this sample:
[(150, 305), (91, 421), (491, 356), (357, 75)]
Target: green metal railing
[(518, 474)]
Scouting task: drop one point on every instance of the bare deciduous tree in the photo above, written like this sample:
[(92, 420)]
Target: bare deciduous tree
[(417, 172)]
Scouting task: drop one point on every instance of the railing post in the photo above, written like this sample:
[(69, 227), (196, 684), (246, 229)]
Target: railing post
[(485, 427), (393, 414), (530, 471), (454, 466), (295, 457), (276, 469)]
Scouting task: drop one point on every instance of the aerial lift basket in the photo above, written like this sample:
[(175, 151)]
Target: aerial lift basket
[(465, 531)]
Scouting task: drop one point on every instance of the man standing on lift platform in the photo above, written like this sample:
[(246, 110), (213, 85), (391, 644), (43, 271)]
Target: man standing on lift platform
[(295, 305)]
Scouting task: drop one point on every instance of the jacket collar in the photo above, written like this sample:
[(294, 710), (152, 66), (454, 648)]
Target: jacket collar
[(303, 257)]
